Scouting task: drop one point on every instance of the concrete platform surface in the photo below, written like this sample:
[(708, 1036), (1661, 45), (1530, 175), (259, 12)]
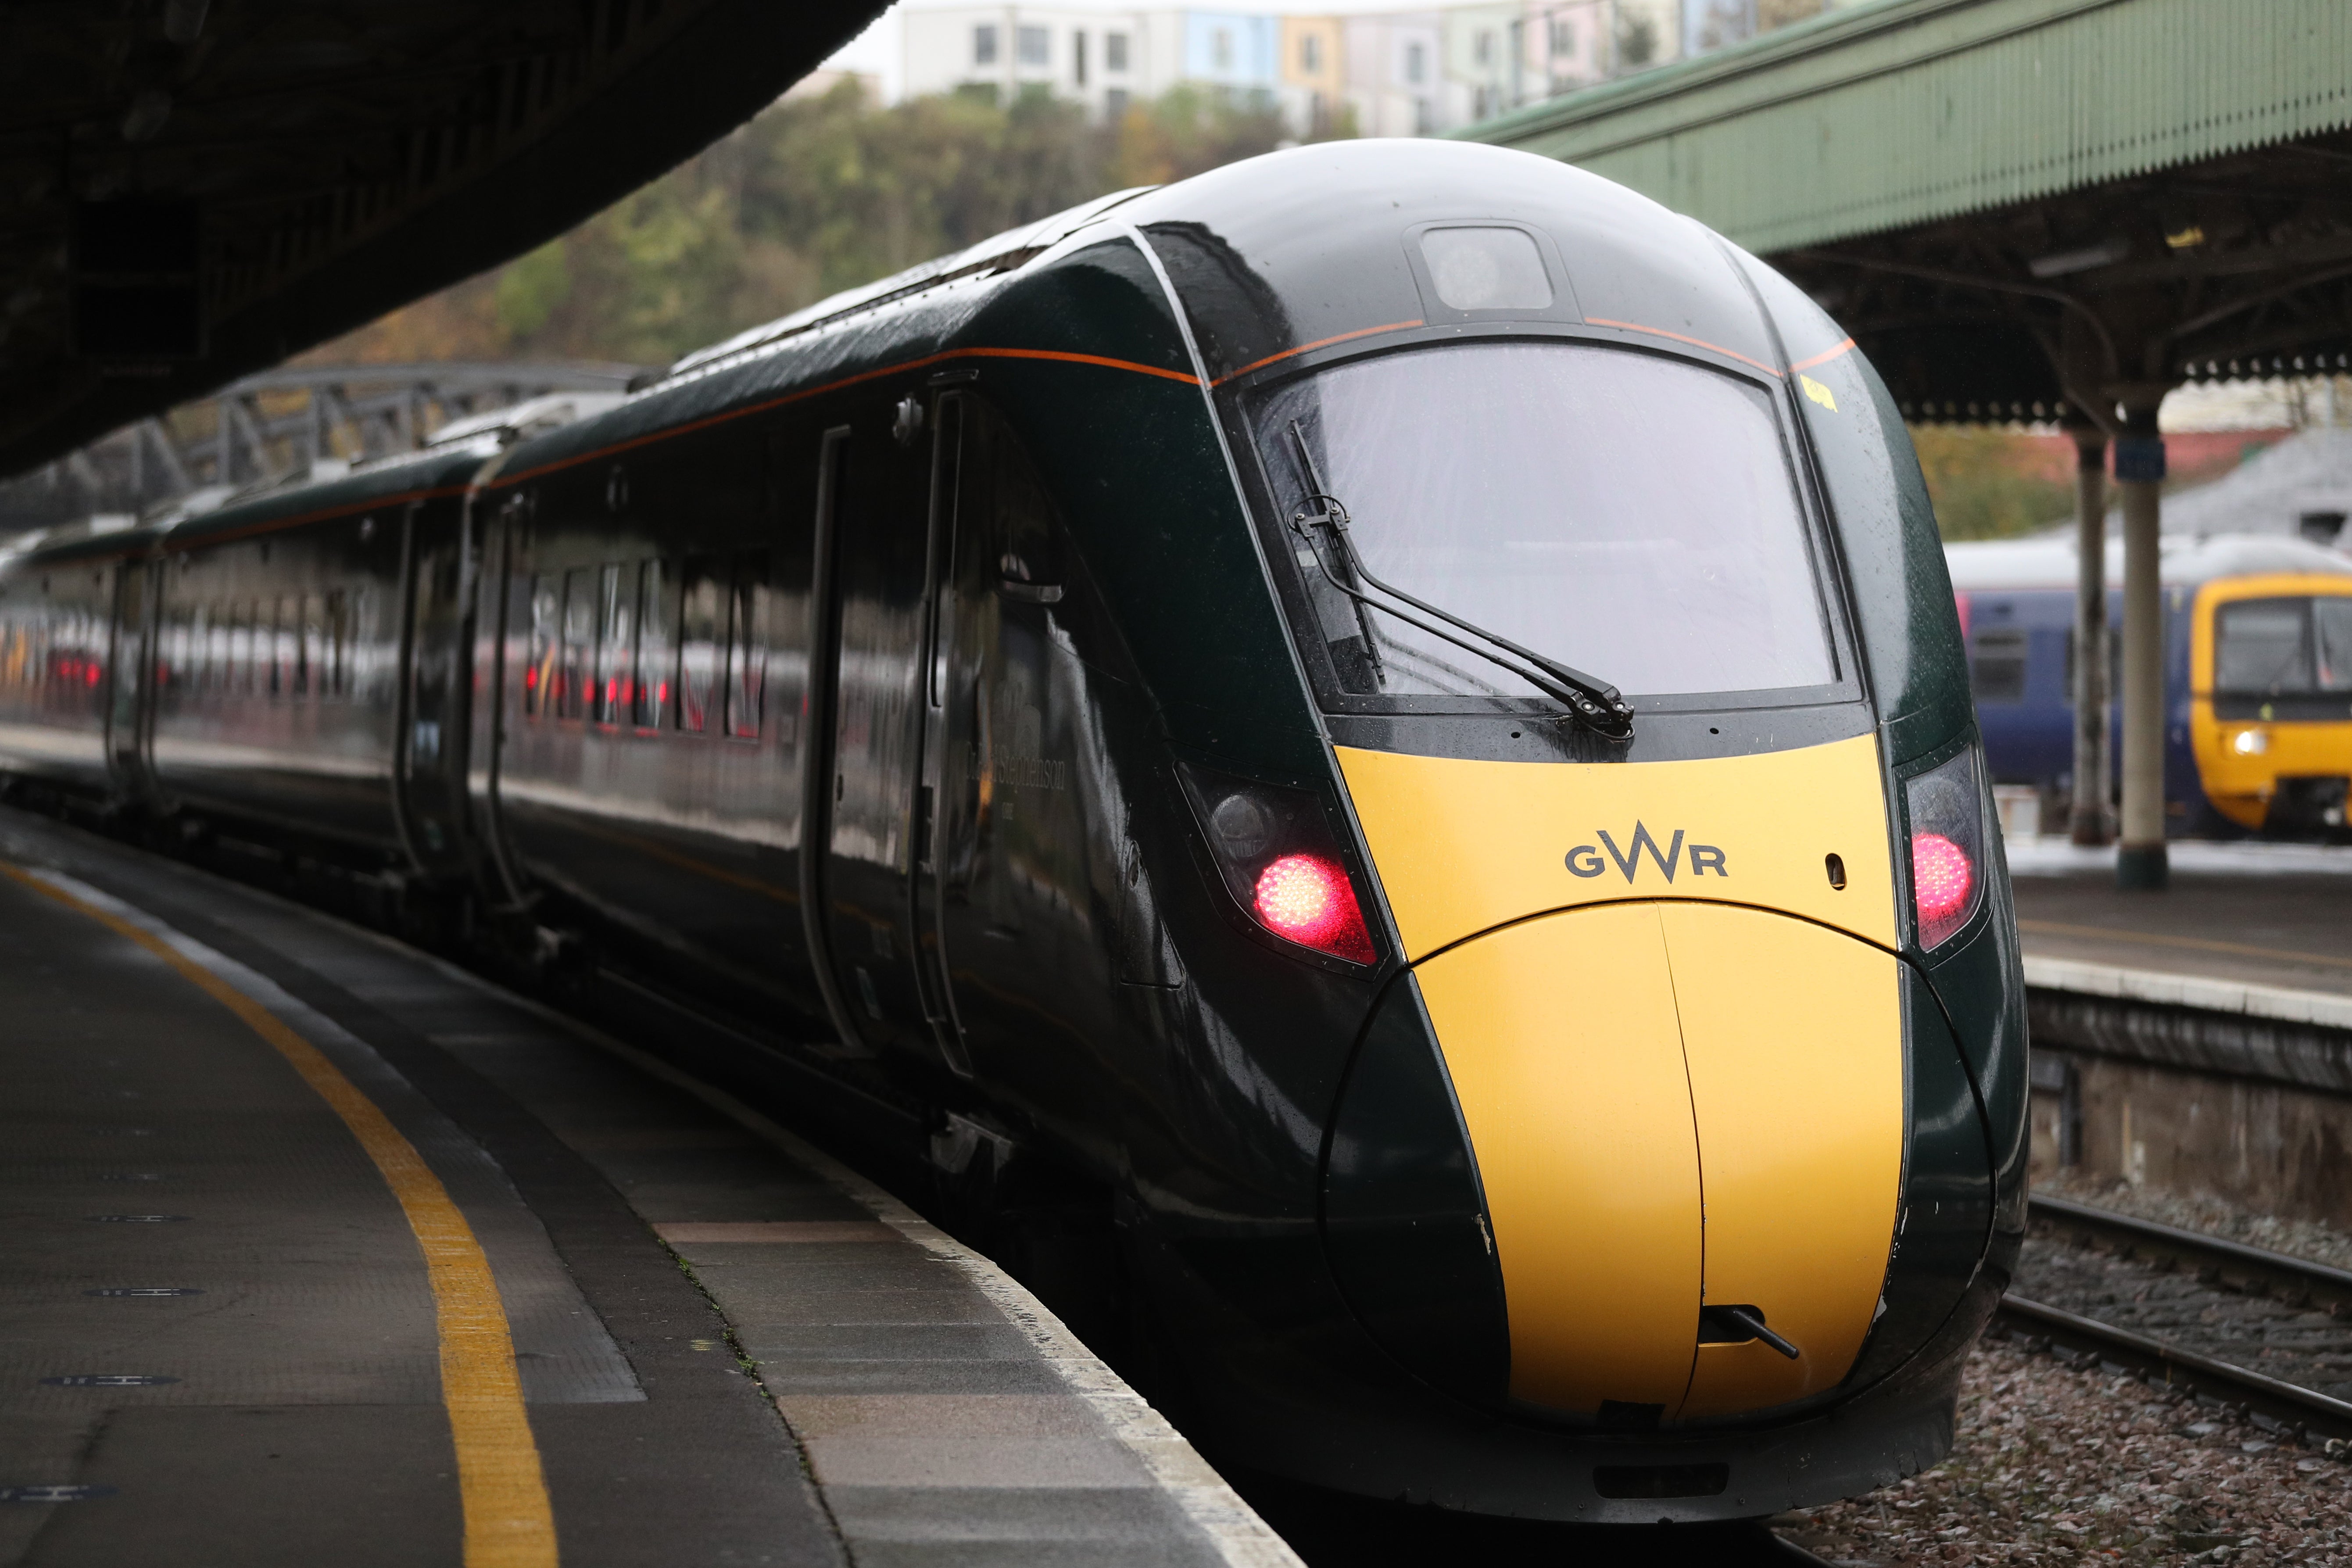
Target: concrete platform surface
[(2275, 915), (324, 1252)]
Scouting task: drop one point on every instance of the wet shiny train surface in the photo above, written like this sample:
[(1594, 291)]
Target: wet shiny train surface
[(1395, 711)]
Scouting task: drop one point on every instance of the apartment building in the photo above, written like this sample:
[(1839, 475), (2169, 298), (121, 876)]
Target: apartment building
[(1397, 73), (1313, 78), (1104, 60)]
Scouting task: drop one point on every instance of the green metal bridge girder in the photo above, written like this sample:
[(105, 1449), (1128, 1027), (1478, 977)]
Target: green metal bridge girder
[(1903, 111)]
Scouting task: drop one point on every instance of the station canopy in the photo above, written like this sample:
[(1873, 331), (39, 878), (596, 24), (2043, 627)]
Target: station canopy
[(195, 189), (2015, 204)]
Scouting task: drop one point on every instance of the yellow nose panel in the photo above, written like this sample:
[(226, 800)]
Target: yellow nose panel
[(1673, 1104), (1562, 1039), (1794, 1040), (1461, 847)]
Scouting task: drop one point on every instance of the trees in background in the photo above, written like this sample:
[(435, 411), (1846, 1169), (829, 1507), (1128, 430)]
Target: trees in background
[(819, 193)]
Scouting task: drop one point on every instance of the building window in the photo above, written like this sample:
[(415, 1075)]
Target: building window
[(1483, 51), (1563, 37), (1078, 58), (1310, 54), (1115, 104), (1114, 51), (1030, 46), (1220, 49), (1423, 122), (1416, 63), (984, 46)]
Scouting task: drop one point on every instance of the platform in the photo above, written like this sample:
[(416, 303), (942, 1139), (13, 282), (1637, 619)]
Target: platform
[(2272, 915), (324, 1251)]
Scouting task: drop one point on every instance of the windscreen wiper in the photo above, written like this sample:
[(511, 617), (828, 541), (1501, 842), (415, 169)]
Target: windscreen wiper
[(1594, 702)]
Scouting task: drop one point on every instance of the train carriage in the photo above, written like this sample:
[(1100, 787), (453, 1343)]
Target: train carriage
[(2257, 675), (1391, 715)]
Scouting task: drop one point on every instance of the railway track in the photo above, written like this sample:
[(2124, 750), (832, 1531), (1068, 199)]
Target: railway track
[(2192, 1311)]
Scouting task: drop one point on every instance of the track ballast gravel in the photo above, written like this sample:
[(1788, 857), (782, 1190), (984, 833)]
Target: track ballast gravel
[(2059, 1464)]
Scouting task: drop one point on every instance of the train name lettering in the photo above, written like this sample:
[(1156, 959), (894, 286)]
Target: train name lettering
[(1030, 773), (1585, 860)]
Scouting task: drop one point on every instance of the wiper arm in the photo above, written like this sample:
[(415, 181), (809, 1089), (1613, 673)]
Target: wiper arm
[(1596, 703)]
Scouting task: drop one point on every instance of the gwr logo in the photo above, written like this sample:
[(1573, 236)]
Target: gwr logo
[(1584, 860)]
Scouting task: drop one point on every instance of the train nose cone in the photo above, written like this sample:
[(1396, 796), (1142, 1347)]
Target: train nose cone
[(1674, 1105), (1676, 1040)]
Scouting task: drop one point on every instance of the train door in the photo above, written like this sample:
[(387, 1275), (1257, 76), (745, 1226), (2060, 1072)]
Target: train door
[(862, 750), (127, 729), (1005, 885), (429, 745)]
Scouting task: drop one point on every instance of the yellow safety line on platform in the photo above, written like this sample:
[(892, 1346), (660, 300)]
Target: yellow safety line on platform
[(2158, 939), (508, 1521)]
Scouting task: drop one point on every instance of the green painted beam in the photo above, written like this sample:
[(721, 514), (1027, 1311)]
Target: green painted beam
[(1904, 112)]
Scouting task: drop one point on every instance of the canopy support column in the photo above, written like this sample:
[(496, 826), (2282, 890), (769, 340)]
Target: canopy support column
[(2092, 820), (2141, 862)]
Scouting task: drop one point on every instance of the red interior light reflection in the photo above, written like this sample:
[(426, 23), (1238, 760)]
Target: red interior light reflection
[(1308, 900), (1941, 878)]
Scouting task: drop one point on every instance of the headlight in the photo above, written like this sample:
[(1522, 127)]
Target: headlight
[(1946, 809), (2250, 743)]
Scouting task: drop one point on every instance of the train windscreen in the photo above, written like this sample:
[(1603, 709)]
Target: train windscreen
[(1631, 516), (2284, 647)]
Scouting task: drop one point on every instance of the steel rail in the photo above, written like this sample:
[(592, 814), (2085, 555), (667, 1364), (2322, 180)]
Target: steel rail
[(2289, 1407), (2217, 1260)]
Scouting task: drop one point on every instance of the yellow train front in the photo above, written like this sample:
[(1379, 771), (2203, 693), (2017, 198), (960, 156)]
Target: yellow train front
[(1679, 1160)]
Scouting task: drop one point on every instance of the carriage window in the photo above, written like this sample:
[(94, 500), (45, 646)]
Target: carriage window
[(1553, 495), (286, 646), (616, 597), (702, 628), (656, 653), (240, 647), (310, 674), (747, 648), (339, 644), (539, 674), (1997, 666), (574, 668)]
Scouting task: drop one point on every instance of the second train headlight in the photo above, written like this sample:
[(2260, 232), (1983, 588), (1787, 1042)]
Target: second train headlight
[(2250, 743), (1946, 808)]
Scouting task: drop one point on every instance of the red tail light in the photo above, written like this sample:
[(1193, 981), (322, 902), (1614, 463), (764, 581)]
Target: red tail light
[(1309, 901), (1282, 862), (1941, 877), (1946, 805)]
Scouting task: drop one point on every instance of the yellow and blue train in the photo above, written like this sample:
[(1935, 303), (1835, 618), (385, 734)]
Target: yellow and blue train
[(1385, 726), (2257, 675)]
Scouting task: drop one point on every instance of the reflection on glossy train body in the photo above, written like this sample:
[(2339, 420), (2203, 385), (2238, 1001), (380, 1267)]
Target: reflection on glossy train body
[(1367, 757)]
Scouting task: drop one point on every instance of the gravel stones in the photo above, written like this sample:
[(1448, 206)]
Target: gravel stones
[(2058, 1464)]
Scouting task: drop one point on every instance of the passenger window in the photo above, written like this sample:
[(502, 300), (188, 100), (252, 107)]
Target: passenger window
[(284, 647), (539, 674), (1997, 666), (747, 648), (339, 644), (617, 636), (309, 669), (656, 651), (702, 623), (199, 656), (579, 636), (240, 647)]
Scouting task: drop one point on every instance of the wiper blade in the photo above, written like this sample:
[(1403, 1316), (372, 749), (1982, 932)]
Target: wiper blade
[(1600, 706)]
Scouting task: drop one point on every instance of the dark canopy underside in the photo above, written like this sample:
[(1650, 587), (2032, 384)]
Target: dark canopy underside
[(191, 192)]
